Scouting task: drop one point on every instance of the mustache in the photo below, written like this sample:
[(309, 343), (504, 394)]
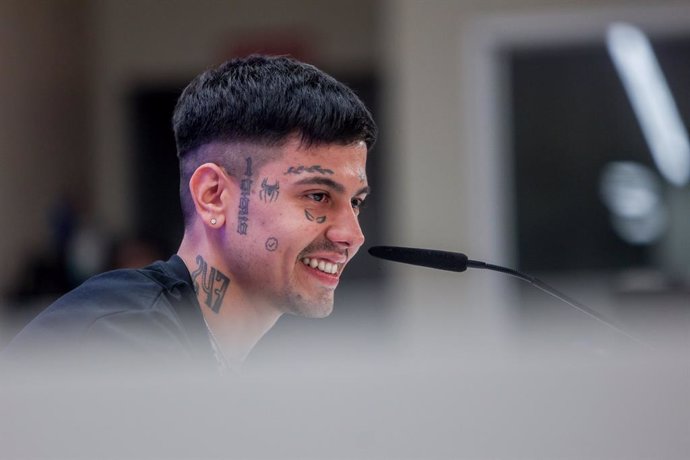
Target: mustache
[(324, 245)]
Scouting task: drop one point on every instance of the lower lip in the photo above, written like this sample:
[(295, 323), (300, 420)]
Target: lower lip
[(324, 278)]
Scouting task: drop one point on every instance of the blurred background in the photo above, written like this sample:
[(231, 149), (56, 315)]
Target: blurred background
[(510, 131), (544, 135)]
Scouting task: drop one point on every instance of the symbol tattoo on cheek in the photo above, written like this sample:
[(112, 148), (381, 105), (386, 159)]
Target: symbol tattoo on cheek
[(269, 192), (310, 217), (271, 244)]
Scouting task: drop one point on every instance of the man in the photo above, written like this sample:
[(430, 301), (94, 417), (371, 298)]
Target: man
[(272, 159)]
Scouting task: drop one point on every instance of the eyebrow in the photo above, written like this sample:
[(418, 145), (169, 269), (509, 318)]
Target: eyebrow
[(337, 186)]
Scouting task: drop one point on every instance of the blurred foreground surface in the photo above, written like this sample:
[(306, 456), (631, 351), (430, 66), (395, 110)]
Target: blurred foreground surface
[(364, 399)]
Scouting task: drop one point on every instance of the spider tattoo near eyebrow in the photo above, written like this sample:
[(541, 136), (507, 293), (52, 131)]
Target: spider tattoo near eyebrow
[(269, 192), (311, 169), (310, 217)]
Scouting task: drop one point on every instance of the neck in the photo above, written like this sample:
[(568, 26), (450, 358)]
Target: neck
[(236, 320)]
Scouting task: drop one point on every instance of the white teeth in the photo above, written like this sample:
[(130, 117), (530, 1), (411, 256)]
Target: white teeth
[(322, 265)]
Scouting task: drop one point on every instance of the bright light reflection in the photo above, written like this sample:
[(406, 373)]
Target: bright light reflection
[(633, 195), (643, 230), (652, 101), (629, 189)]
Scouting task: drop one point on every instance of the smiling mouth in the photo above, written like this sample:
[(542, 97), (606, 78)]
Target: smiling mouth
[(321, 265)]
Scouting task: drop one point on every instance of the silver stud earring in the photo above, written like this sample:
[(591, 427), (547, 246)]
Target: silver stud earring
[(213, 221)]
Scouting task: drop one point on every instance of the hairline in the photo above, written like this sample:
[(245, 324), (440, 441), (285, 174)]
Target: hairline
[(254, 144)]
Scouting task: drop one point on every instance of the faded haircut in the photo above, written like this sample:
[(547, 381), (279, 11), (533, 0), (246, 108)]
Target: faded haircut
[(263, 101)]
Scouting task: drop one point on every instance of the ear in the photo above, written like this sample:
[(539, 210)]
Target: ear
[(210, 190)]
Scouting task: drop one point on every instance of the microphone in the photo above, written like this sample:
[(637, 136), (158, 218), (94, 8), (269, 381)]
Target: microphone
[(458, 262), (442, 260)]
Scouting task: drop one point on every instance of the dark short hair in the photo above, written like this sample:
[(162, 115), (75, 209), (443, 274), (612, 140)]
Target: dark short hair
[(264, 100)]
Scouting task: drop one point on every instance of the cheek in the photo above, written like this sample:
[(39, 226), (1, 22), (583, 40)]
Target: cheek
[(287, 230), (276, 231), (269, 220), (272, 244), (289, 221)]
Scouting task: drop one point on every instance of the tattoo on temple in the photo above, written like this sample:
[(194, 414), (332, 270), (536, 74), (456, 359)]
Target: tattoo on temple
[(310, 217), (311, 169), (214, 284), (271, 244), (245, 190), (269, 192)]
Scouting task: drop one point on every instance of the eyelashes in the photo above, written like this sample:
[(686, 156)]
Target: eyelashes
[(358, 203), (323, 197)]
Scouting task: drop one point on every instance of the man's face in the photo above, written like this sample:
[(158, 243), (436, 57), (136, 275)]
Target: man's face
[(296, 225)]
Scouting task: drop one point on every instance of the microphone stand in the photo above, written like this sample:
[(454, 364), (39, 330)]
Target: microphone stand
[(458, 262), (536, 282)]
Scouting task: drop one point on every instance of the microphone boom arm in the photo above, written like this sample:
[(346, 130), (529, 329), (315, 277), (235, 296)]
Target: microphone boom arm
[(458, 262), (536, 282)]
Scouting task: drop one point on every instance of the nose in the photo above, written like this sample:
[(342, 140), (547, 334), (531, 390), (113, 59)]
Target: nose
[(345, 230)]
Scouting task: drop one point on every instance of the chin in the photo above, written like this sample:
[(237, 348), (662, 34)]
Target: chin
[(322, 312), (310, 309)]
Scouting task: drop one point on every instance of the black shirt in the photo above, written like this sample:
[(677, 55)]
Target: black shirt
[(147, 317)]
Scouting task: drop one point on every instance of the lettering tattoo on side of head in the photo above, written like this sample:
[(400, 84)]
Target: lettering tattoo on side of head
[(310, 169), (310, 217), (215, 285), (271, 244), (245, 190), (269, 192)]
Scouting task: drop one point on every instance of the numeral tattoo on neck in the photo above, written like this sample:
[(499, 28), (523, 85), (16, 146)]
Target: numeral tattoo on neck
[(269, 192), (311, 169), (310, 217), (245, 190), (215, 285)]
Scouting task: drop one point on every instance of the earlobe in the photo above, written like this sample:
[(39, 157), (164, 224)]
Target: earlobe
[(209, 189)]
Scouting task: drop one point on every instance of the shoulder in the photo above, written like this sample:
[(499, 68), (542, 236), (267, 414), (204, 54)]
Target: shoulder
[(110, 293), (152, 308)]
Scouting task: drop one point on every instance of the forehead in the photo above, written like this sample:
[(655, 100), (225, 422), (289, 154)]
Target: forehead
[(341, 159)]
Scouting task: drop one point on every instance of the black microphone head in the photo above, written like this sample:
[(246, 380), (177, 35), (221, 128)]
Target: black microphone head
[(442, 260)]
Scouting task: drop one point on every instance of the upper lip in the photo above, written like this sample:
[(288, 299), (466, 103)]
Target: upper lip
[(339, 259)]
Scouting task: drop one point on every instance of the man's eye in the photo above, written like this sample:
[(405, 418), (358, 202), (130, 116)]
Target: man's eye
[(319, 197), (357, 203)]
